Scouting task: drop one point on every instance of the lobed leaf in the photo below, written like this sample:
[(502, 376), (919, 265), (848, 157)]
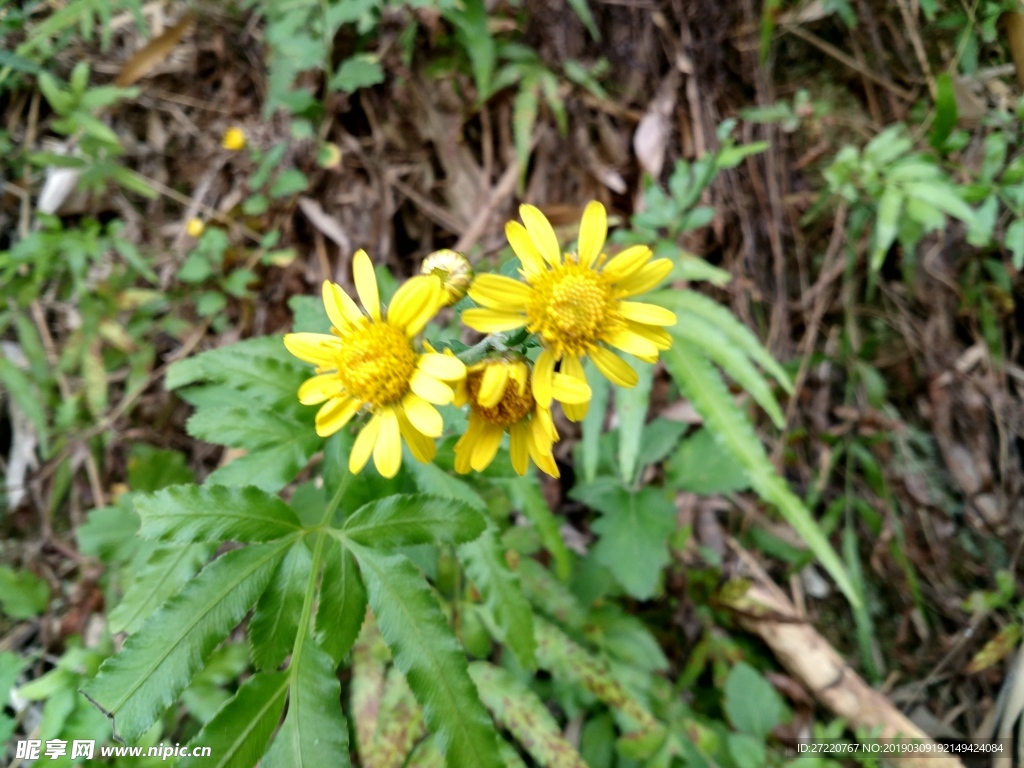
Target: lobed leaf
[(519, 711), (154, 665), (701, 383), (275, 621), (239, 733), (270, 468), (716, 347), (214, 513), (634, 528), (342, 606), (166, 571), (404, 520), (314, 732), (426, 651), (486, 566), (260, 367)]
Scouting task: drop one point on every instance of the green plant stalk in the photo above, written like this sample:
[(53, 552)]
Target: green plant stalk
[(307, 602)]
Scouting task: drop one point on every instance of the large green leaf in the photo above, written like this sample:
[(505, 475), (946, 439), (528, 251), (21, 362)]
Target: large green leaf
[(156, 664), (342, 603), (314, 733), (214, 513), (700, 382), (243, 427), (403, 520), (523, 714), (426, 650), (166, 571), (261, 367), (751, 702), (239, 733), (276, 618), (634, 528), (273, 467), (485, 563)]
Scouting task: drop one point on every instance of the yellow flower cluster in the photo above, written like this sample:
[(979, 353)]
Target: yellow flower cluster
[(576, 305)]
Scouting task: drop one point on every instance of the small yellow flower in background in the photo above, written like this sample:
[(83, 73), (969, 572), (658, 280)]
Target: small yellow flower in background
[(454, 271), (501, 400), (195, 227), (234, 139), (370, 362), (577, 306)]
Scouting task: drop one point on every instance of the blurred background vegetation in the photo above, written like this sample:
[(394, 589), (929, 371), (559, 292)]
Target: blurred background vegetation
[(846, 175)]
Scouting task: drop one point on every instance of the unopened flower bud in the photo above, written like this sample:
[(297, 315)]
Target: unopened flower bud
[(234, 139), (454, 271), (195, 227)]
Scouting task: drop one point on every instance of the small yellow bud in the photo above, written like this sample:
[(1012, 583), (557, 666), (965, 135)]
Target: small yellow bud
[(234, 139), (454, 271), (195, 227)]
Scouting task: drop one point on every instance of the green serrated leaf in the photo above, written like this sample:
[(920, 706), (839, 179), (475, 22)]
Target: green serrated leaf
[(342, 603), (214, 513), (430, 478), (945, 111), (22, 593), (486, 566), (155, 665), (239, 733), (241, 427), (470, 20), (260, 367), (404, 520), (529, 499), (314, 733), (716, 346), (890, 206), (703, 466), (699, 381), (634, 529), (270, 468), (726, 323), (943, 196), (571, 662), (519, 711), (593, 422), (427, 652), (166, 571), (276, 618)]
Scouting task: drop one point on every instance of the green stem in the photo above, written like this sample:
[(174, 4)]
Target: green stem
[(314, 571)]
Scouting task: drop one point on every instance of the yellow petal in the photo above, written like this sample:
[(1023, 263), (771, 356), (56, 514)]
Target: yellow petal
[(486, 447), (661, 338), (422, 415), (615, 369), (543, 372), (430, 389), (335, 414), (593, 231), (339, 305), (414, 303), (320, 388), (524, 248), (317, 348), (387, 451), (500, 292), (492, 385), (544, 425), (569, 389), (633, 343), (539, 446), (571, 366), (646, 279), (650, 314), (464, 448), (624, 264), (519, 449), (444, 367), (542, 234), (491, 320), (519, 373), (366, 283), (363, 446), (421, 446)]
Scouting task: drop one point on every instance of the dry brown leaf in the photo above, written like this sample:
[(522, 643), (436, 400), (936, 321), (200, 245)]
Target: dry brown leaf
[(1014, 25), (144, 60), (651, 138), (328, 225)]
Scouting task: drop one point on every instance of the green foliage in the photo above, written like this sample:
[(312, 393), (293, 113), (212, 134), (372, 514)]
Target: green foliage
[(22, 594)]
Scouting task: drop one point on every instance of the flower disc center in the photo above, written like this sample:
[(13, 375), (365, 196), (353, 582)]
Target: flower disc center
[(376, 362), (512, 407), (571, 307)]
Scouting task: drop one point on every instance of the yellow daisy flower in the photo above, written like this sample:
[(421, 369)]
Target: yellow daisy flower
[(369, 361), (577, 306), (501, 400)]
